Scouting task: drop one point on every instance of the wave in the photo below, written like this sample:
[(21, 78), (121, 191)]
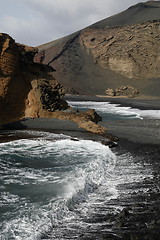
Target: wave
[(52, 184), (44, 179), (116, 109)]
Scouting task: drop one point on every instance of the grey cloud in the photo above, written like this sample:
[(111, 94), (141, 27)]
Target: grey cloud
[(47, 20)]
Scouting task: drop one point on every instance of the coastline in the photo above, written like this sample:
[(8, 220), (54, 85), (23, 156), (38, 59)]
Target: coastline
[(140, 217), (53, 125), (48, 124), (135, 130), (142, 104), (140, 131), (141, 139)]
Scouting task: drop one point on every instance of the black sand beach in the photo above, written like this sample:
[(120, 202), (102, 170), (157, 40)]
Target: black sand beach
[(140, 138), (138, 131), (143, 104), (48, 124), (118, 129), (141, 217)]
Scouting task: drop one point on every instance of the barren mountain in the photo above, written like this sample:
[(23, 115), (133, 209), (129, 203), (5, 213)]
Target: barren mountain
[(123, 50)]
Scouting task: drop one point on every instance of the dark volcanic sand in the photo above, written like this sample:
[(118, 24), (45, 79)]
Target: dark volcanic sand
[(137, 130), (140, 217), (141, 138)]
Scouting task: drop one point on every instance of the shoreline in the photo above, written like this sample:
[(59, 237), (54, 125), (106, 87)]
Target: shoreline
[(134, 130), (140, 138), (142, 104), (139, 131), (56, 126)]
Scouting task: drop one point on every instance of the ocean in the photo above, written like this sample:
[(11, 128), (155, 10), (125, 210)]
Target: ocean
[(54, 186)]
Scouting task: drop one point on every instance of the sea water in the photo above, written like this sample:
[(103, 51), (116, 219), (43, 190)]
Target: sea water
[(56, 187), (114, 112)]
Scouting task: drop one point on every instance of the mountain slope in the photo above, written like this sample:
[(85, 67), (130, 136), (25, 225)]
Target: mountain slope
[(118, 51), (141, 12)]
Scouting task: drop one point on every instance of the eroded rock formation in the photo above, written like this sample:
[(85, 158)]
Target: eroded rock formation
[(28, 89), (127, 50), (127, 91)]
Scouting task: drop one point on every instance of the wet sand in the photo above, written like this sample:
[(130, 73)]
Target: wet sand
[(48, 124), (139, 218), (137, 130)]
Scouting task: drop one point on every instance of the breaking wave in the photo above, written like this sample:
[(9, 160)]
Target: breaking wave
[(113, 112)]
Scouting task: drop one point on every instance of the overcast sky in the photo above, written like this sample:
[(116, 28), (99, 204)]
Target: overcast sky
[(34, 22)]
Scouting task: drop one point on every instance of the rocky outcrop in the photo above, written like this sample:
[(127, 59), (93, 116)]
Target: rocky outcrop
[(87, 120), (128, 50), (28, 89), (45, 96), (126, 91), (118, 51), (110, 92)]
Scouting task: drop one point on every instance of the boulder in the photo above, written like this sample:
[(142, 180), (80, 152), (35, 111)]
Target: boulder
[(110, 92), (127, 91)]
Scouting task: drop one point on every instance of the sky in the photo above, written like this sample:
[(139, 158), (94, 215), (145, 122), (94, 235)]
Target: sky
[(34, 22)]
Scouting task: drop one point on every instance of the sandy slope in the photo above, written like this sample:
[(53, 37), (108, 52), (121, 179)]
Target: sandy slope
[(117, 51)]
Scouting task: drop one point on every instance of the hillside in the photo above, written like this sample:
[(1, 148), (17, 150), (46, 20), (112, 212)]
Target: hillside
[(122, 50)]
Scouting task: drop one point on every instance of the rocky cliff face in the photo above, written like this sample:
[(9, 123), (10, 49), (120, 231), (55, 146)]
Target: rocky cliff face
[(27, 89), (122, 50), (132, 51)]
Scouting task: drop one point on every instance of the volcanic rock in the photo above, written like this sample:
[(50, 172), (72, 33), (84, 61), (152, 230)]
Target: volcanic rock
[(27, 89), (126, 91), (118, 51), (110, 92)]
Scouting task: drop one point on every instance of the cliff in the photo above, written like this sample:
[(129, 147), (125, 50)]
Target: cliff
[(28, 89), (122, 50)]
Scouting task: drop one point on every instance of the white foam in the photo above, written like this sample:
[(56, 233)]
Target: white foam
[(88, 163), (84, 174), (106, 107), (95, 172)]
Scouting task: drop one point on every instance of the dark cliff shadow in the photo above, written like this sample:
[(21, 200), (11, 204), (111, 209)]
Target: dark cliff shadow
[(18, 125)]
